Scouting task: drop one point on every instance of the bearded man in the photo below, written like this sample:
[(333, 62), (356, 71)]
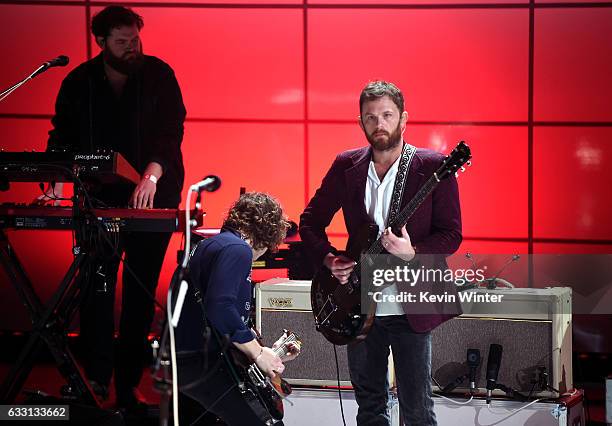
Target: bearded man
[(367, 183), (131, 103)]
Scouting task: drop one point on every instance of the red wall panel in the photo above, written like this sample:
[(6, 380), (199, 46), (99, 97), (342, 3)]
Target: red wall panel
[(451, 64), (493, 190), (573, 64), (33, 35), (260, 157), (572, 183), (231, 63), (325, 141), (557, 248), (195, 3), (571, 1)]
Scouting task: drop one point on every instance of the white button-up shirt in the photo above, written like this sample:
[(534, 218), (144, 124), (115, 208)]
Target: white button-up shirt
[(377, 203)]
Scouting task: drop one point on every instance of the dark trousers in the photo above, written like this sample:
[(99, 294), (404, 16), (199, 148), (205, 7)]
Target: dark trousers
[(144, 255), (368, 368), (215, 390)]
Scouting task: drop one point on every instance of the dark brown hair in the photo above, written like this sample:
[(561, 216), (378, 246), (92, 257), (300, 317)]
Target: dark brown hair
[(378, 89), (259, 217), (114, 17)]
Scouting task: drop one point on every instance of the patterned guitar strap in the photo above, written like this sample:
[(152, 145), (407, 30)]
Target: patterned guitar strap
[(408, 152)]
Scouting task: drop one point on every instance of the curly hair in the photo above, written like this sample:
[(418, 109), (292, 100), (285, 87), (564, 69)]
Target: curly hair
[(259, 217)]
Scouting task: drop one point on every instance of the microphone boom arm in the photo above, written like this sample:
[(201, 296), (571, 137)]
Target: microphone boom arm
[(60, 61)]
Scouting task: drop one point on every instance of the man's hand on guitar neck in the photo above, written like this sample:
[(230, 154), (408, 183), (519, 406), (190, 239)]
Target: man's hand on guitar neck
[(293, 349), (398, 246), (339, 266)]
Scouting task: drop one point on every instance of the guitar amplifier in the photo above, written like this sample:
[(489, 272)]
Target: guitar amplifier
[(536, 339), (534, 328), (286, 304)]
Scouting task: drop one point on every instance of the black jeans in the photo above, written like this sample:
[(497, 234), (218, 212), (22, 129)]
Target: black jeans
[(368, 368), (144, 254), (214, 388)]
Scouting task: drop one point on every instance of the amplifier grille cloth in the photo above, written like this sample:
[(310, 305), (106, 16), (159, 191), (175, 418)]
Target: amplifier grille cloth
[(526, 345)]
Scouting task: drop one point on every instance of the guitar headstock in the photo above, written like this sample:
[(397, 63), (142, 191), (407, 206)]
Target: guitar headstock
[(455, 161)]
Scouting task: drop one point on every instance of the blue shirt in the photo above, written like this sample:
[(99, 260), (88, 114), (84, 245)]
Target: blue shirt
[(221, 269)]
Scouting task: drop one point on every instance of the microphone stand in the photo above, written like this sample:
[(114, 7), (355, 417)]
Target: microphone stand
[(5, 94), (162, 384), (165, 352)]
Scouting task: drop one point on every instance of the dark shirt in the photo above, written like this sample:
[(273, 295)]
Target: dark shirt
[(144, 124), (220, 269)]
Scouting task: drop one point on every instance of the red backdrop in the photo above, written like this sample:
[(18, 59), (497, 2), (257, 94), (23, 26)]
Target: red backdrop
[(271, 91)]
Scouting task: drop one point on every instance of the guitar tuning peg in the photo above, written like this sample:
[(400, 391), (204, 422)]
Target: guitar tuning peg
[(462, 169), (456, 174), (469, 163)]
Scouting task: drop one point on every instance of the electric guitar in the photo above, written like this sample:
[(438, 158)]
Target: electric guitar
[(336, 307), (264, 395)]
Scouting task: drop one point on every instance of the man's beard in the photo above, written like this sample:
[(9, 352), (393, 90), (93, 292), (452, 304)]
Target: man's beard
[(393, 139), (126, 64)]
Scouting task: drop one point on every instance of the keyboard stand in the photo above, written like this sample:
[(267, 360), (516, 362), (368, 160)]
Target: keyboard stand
[(50, 323)]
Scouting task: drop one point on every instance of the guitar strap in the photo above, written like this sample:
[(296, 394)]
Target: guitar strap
[(408, 152)]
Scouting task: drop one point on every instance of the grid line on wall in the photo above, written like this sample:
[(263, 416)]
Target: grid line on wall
[(305, 5), (499, 123), (306, 100), (88, 28), (530, 147)]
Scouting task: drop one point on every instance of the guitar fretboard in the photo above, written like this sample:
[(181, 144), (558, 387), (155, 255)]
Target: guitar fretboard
[(401, 219), (282, 349)]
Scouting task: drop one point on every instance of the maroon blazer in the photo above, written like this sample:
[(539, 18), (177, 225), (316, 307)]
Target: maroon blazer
[(435, 228)]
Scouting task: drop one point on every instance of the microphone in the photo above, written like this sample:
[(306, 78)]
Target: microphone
[(60, 61), (210, 183), (493, 364), (473, 361)]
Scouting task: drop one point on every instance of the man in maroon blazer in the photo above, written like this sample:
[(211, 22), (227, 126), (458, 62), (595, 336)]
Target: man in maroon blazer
[(361, 182)]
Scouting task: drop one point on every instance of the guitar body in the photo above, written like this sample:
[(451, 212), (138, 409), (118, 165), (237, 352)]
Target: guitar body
[(256, 390), (337, 307), (263, 395)]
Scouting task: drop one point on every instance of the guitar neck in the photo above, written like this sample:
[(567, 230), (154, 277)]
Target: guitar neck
[(283, 348), (406, 213)]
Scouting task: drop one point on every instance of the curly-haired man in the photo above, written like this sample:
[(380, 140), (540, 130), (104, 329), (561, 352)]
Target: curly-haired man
[(221, 290)]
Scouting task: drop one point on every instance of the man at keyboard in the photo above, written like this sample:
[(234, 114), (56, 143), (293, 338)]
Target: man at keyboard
[(131, 103)]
